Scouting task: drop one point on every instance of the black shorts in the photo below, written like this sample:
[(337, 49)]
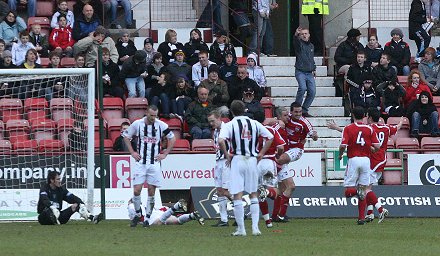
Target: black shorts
[(46, 217)]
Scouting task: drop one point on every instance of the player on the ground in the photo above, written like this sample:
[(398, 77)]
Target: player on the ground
[(50, 203), (267, 168), (360, 140), (377, 160), (166, 215), (297, 128), (221, 171), (149, 131), (242, 133)]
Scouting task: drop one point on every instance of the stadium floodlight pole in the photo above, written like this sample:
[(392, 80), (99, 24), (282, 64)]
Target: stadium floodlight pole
[(101, 129)]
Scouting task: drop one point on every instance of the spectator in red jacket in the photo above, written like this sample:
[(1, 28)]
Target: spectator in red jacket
[(61, 39), (414, 87)]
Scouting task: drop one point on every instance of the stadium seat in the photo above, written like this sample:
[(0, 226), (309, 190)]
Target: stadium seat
[(203, 145), (175, 125), (396, 163), (48, 145), (61, 108), (35, 108), (11, 109), (207, 36), (135, 108), (44, 22), (65, 126), (409, 145), (67, 62), (113, 107), (431, 144), (17, 130), (186, 129), (2, 130), (5, 147), (25, 147), (108, 145), (402, 133), (181, 145), (402, 80), (436, 101), (395, 120), (44, 62), (43, 129), (267, 104), (45, 8), (114, 127), (96, 121), (390, 145), (392, 177), (241, 60)]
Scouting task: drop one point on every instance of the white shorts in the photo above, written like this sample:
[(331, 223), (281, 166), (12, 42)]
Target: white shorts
[(221, 174), (267, 169), (150, 173), (375, 177), (358, 172), (285, 173), (244, 174), (294, 153)]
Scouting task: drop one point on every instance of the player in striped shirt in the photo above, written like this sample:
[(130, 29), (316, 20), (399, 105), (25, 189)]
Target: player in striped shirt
[(149, 132), (221, 171), (242, 133)]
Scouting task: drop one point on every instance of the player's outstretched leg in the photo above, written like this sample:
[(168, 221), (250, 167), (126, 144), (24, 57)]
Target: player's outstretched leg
[(264, 208), (195, 215)]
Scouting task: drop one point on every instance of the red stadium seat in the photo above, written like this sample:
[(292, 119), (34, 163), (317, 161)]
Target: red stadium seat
[(44, 22), (44, 62), (108, 145), (67, 62), (267, 104), (25, 146), (11, 109), (114, 127), (43, 129), (181, 145), (207, 36), (61, 108), (17, 130), (241, 60), (394, 163), (5, 147), (45, 8), (430, 143), (203, 145), (35, 108), (395, 120), (113, 107), (402, 133), (50, 146), (175, 125), (390, 145), (2, 129), (392, 177), (186, 129), (403, 80), (136, 108), (409, 145), (65, 126), (96, 121)]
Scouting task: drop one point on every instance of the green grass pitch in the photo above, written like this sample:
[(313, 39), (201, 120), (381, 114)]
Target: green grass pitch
[(395, 236)]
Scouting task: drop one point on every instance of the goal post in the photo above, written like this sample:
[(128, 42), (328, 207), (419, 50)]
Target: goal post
[(75, 153)]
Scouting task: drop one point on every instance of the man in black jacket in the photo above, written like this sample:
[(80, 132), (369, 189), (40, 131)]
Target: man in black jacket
[(345, 54), (133, 72), (240, 83), (399, 52), (50, 203)]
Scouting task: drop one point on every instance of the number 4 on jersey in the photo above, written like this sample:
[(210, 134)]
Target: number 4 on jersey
[(360, 140), (245, 134)]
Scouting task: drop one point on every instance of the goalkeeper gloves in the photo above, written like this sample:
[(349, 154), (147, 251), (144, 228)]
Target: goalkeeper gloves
[(83, 211), (56, 213)]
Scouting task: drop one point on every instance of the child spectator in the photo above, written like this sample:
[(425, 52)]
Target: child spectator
[(219, 47), (125, 47), (20, 49), (179, 68), (367, 97), (384, 72), (373, 51), (399, 52), (54, 60), (357, 74), (62, 10), (119, 144), (184, 94), (392, 94), (255, 72), (6, 61), (10, 28), (194, 46), (161, 95), (30, 61), (423, 115), (110, 76), (229, 69), (2, 47), (80, 60), (61, 39), (39, 41), (154, 71), (149, 50), (429, 70), (169, 47)]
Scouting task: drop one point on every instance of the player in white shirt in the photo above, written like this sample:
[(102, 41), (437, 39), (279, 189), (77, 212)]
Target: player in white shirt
[(221, 171), (242, 134), (149, 132)]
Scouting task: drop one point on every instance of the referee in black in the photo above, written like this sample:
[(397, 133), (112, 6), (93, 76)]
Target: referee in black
[(50, 203)]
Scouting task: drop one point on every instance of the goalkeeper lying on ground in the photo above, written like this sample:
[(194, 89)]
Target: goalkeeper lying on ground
[(51, 200)]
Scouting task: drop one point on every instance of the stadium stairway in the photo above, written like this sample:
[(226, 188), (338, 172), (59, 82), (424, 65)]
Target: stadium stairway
[(280, 73)]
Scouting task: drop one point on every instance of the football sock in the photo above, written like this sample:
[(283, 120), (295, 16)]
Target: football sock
[(264, 207), (239, 214), (185, 218), (166, 214), (176, 206), (362, 204), (150, 206), (370, 209), (222, 208), (271, 193), (137, 203), (349, 192), (255, 213), (372, 200), (276, 206), (283, 205)]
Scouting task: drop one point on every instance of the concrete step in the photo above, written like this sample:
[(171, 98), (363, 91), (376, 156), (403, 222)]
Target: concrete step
[(291, 92), (290, 71), (323, 143), (327, 111), (322, 121), (289, 81), (287, 61), (324, 132), (166, 24), (318, 101)]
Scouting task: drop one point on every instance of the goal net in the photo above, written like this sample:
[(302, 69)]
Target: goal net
[(46, 123)]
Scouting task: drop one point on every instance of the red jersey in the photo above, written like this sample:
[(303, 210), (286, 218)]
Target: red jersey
[(358, 138), (383, 132), (297, 130), (277, 141)]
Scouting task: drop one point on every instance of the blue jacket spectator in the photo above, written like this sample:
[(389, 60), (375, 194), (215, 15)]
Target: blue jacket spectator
[(10, 27), (86, 23)]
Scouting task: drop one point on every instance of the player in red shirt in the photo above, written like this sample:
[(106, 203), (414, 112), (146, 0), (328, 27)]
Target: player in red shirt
[(297, 128), (359, 140)]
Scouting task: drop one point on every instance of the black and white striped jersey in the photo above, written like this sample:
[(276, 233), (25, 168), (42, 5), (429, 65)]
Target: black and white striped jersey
[(149, 138), (242, 134), (218, 152)]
